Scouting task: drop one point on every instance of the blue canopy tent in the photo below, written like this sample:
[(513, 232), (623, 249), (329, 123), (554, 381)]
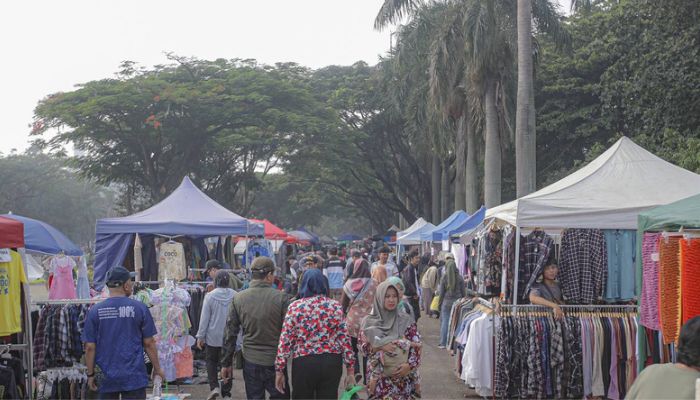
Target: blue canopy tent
[(470, 223), (314, 237), (348, 237), (441, 232), (186, 212), (41, 237)]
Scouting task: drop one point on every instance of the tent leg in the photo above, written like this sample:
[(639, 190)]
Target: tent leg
[(517, 265)]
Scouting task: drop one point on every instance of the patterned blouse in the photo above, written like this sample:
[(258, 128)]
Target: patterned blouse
[(314, 325), (395, 388)]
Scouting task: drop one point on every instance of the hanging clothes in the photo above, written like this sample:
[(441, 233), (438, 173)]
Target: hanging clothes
[(649, 302), (11, 279), (57, 340), (669, 288), (690, 278), (62, 285), (83, 285), (583, 265), (490, 263), (534, 253), (477, 358), (171, 261), (622, 255)]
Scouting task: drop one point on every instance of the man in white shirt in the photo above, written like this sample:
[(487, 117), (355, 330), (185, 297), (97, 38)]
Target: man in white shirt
[(391, 269)]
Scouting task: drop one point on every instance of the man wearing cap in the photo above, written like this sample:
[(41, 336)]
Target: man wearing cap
[(259, 311), (390, 267), (213, 267), (117, 330)]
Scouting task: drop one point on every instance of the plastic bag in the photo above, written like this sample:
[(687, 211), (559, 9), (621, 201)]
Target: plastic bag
[(435, 305)]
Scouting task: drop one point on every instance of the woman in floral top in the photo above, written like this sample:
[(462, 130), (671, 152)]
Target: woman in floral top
[(315, 336), (357, 300), (386, 326)]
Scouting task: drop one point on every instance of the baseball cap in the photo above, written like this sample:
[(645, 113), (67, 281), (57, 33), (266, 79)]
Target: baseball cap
[(118, 275), (212, 264), (263, 264)]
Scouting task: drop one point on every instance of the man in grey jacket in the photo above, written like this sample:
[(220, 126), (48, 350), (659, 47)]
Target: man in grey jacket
[(211, 331), (259, 311)]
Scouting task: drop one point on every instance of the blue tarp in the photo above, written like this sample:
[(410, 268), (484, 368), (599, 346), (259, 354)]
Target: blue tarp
[(470, 223), (44, 238), (187, 212), (348, 237), (441, 231)]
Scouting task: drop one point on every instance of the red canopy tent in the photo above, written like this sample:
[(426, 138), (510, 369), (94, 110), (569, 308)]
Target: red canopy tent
[(11, 233), (271, 230)]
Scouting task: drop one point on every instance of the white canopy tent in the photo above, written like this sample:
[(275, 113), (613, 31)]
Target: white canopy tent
[(412, 234), (608, 193)]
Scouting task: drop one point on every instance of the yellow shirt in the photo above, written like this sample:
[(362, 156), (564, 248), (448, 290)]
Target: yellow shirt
[(11, 277)]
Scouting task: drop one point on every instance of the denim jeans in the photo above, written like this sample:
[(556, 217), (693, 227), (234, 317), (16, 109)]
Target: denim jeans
[(444, 322), (261, 378), (137, 394)]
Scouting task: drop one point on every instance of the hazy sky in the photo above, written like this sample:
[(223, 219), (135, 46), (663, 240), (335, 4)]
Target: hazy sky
[(50, 46)]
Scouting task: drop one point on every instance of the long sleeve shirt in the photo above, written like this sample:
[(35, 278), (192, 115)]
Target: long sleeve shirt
[(314, 325)]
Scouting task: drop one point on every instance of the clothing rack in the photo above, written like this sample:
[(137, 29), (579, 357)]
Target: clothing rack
[(12, 347), (176, 283), (61, 302), (593, 307)]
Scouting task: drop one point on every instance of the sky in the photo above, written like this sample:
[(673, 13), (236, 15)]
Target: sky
[(50, 46)]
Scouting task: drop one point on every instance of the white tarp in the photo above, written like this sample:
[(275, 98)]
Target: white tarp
[(412, 234), (608, 193)]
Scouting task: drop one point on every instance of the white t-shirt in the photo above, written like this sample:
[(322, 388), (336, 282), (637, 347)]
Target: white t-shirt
[(391, 268), (171, 261)]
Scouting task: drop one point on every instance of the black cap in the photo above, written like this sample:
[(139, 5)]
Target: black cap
[(119, 275), (212, 264)]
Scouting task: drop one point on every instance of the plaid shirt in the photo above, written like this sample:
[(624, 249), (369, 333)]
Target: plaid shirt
[(583, 265), (556, 358), (574, 359), (39, 352), (535, 251)]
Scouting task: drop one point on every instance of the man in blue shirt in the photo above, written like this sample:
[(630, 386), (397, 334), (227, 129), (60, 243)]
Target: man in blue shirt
[(116, 332)]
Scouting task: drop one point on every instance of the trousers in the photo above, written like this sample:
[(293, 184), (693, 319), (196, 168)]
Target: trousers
[(261, 378), (138, 394), (427, 300), (316, 376), (213, 358)]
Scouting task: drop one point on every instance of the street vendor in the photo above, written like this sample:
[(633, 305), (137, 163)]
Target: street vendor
[(548, 292)]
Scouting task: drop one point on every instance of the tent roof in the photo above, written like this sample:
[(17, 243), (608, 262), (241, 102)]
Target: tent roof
[(412, 236), (44, 238), (682, 213), (470, 223), (187, 211), (313, 237), (271, 230), (608, 193), (301, 236), (416, 225), (11, 233), (441, 231)]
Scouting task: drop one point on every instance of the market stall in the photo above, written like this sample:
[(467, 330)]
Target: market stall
[(187, 212), (412, 235)]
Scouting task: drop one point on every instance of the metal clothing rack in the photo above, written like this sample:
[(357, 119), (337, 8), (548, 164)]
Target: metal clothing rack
[(66, 302), (176, 283)]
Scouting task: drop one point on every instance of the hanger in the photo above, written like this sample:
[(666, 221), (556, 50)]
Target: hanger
[(5, 352)]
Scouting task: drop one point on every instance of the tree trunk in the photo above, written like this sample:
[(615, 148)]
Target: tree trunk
[(445, 191), (435, 178), (492, 151), (525, 172), (472, 169), (460, 166)]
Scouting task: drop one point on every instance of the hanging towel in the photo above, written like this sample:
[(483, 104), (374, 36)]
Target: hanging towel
[(669, 288), (649, 308), (690, 278)]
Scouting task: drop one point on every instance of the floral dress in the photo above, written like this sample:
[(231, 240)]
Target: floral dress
[(314, 325), (394, 388)]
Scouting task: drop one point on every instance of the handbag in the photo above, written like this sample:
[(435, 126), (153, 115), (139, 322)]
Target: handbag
[(435, 304)]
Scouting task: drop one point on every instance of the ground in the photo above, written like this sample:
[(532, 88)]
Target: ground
[(439, 378)]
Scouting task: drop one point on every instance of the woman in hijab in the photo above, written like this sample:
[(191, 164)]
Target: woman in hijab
[(384, 332), (315, 336), (451, 289), (357, 300)]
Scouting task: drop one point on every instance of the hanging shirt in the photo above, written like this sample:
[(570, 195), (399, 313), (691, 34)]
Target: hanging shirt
[(118, 326), (11, 276), (622, 255), (172, 261), (63, 285)]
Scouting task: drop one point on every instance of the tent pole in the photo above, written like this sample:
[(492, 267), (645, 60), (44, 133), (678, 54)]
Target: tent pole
[(28, 353), (517, 265)]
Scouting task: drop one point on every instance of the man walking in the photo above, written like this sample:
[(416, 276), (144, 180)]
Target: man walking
[(429, 284), (409, 275), (116, 332), (334, 273), (388, 266), (259, 311)]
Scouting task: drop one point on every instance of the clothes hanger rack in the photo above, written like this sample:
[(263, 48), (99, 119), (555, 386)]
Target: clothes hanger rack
[(60, 302)]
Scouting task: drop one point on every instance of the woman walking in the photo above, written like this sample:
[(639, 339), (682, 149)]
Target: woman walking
[(211, 330), (357, 300), (451, 289), (315, 336), (390, 339)]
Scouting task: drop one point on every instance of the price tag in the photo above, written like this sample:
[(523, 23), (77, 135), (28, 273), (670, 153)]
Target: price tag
[(5, 255)]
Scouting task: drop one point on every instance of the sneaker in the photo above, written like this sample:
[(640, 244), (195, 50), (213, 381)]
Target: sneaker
[(214, 394), (441, 347)]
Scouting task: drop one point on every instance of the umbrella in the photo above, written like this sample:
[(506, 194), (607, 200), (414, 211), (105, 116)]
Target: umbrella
[(44, 238), (348, 237)]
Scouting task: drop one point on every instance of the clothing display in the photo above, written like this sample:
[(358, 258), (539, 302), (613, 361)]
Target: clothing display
[(649, 301), (690, 278), (474, 346), (169, 312), (11, 278), (490, 263), (57, 339), (669, 288), (583, 265), (622, 254), (62, 286), (63, 383), (171, 261), (83, 285), (194, 310), (535, 250), (11, 378)]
